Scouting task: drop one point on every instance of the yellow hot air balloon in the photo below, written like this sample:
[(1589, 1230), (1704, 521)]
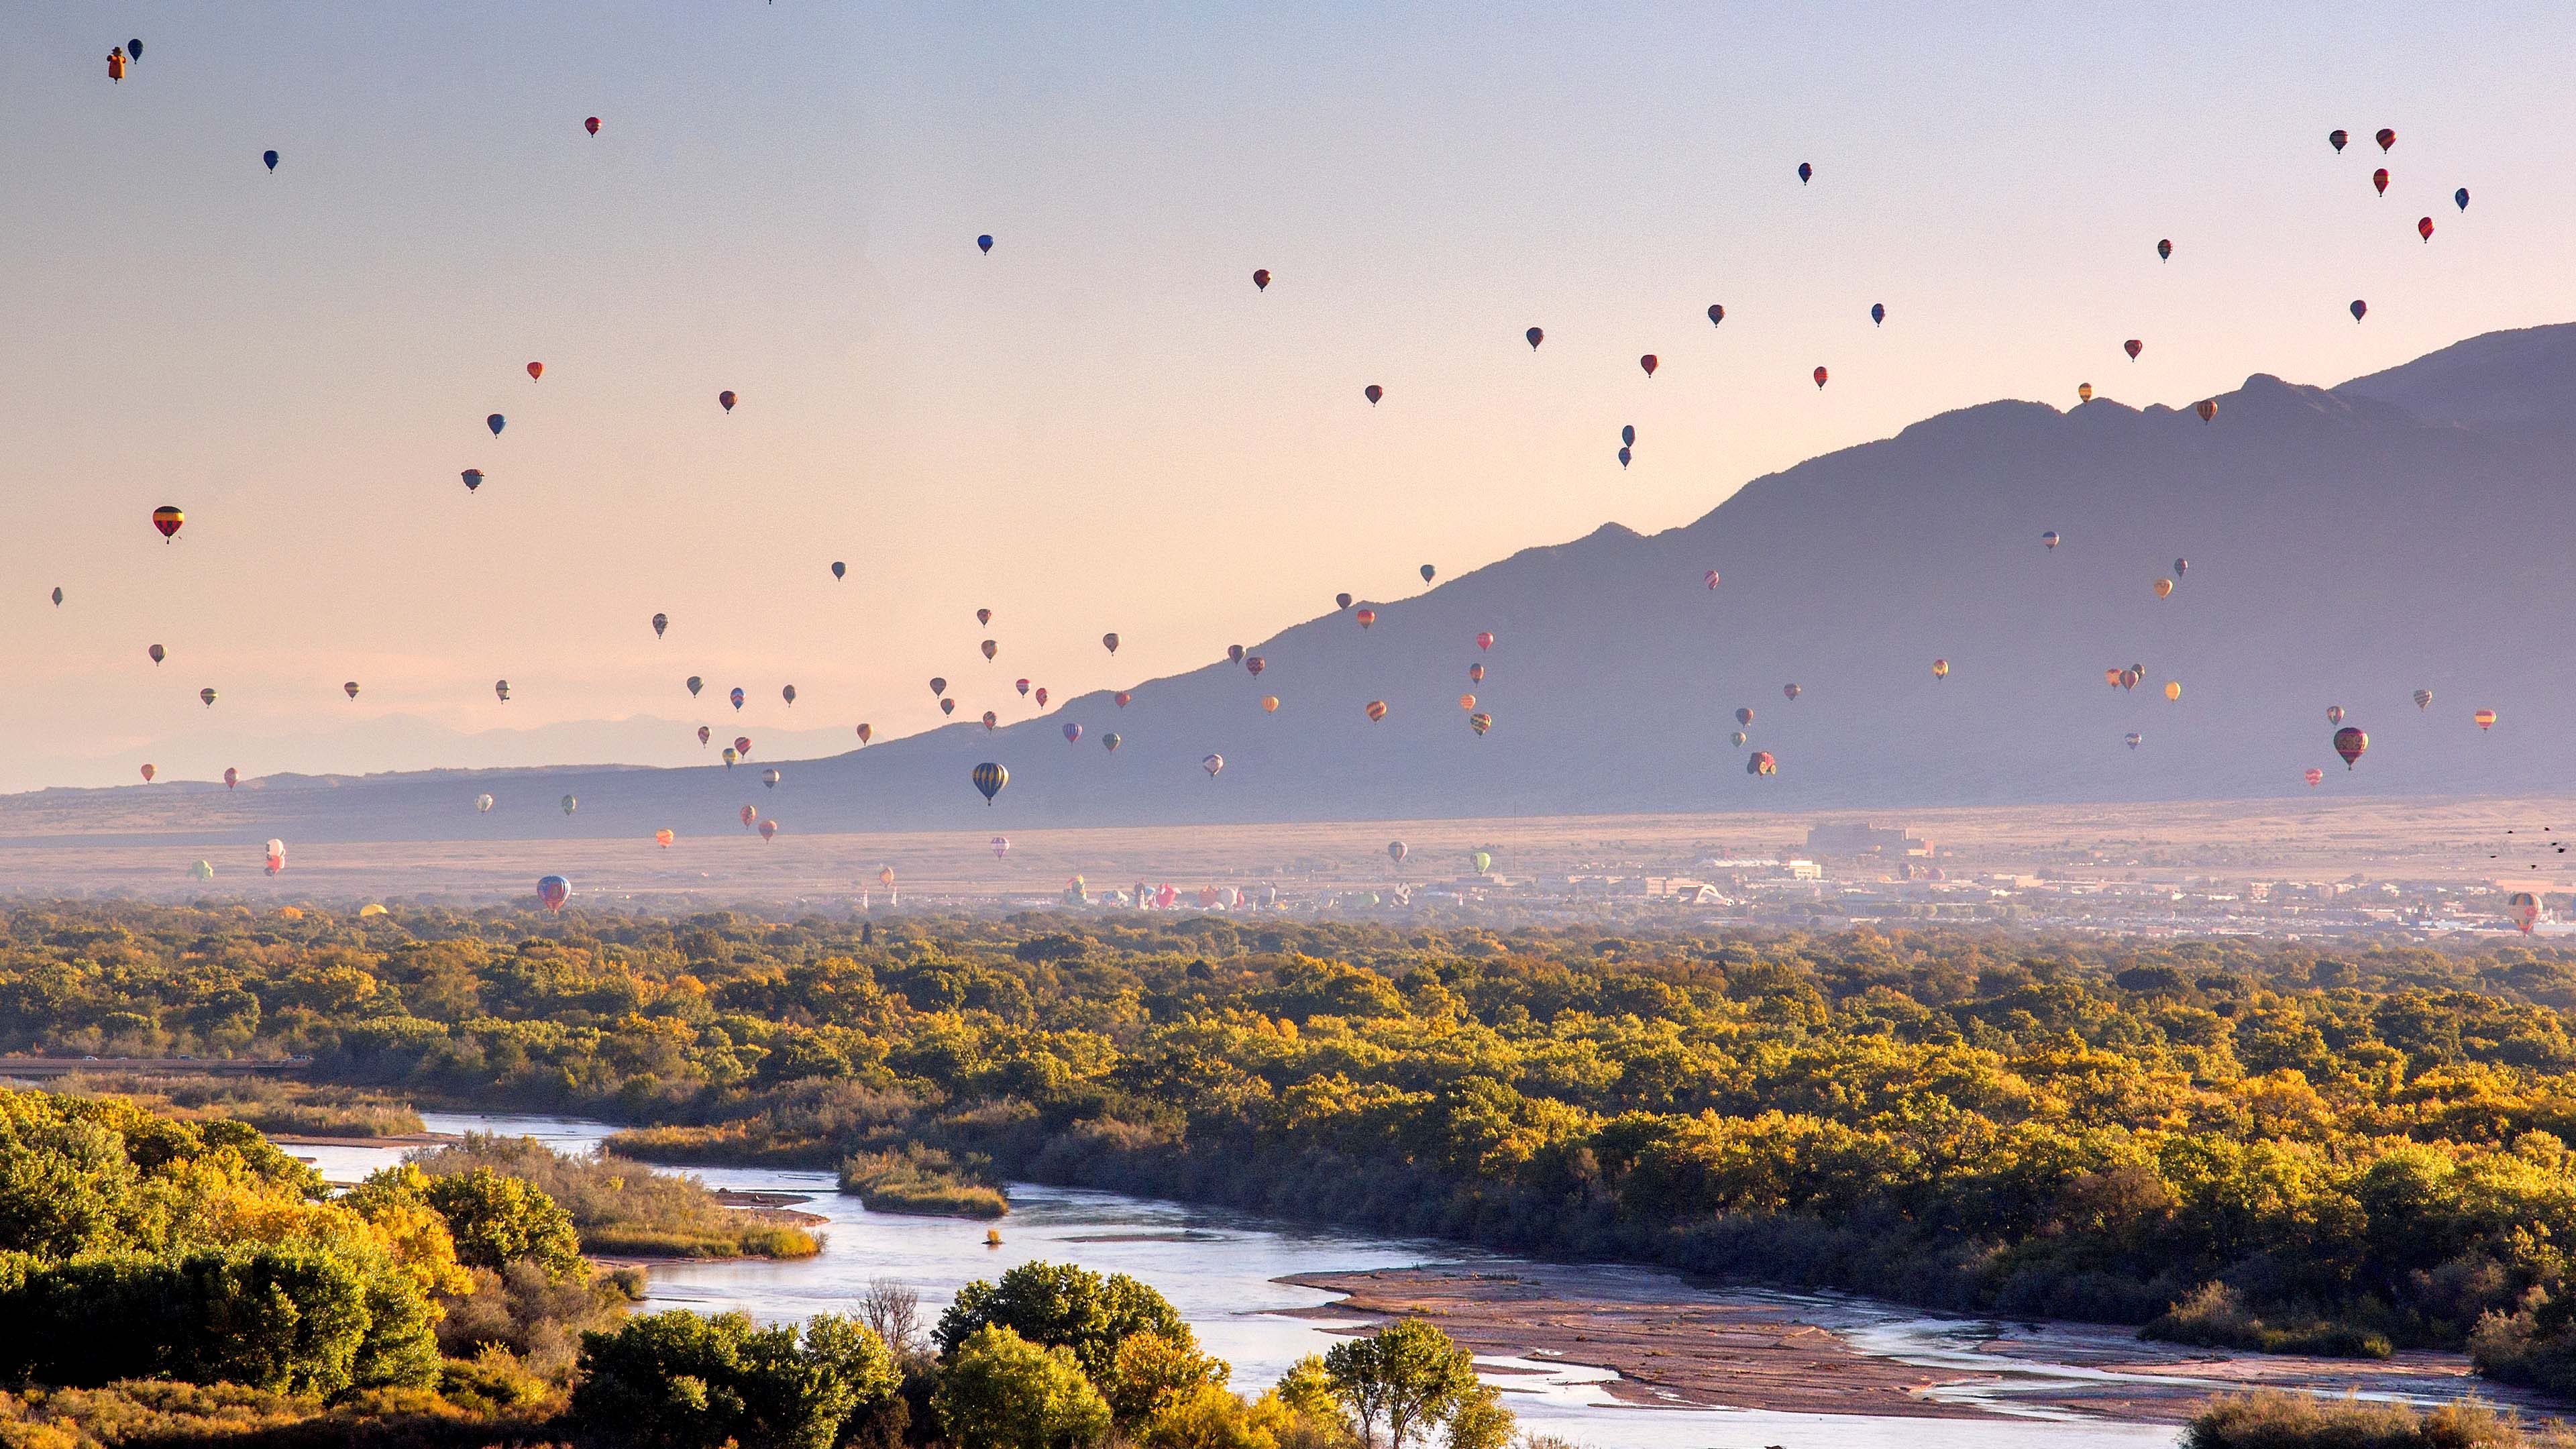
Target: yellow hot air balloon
[(2084, 392), (1940, 669), (2173, 689), (2164, 588), (1376, 710), (1269, 704)]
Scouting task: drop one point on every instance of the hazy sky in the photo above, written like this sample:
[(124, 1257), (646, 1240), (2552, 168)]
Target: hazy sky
[(1099, 426)]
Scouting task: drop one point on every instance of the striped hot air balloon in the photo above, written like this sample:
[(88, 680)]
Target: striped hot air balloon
[(989, 778)]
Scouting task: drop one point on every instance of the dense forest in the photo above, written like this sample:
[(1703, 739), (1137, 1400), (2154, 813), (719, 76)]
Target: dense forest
[(2231, 1142)]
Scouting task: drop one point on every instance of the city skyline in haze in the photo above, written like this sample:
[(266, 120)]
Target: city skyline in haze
[(1100, 425)]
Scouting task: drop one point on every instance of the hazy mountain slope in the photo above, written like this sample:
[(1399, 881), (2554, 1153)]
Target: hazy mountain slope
[(2407, 530)]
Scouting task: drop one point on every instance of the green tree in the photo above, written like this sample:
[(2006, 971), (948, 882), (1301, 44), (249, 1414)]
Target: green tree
[(679, 1380), (997, 1390), (498, 1220), (1062, 1306), (1408, 1376)]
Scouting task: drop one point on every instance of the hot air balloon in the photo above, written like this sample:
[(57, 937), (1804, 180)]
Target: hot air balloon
[(1480, 722), (2173, 689), (1820, 376), (2083, 392), (1253, 664), (1648, 363), (1376, 710), (208, 695), (157, 653), (2207, 408), (984, 243), (1109, 642), (1744, 716), (1366, 617), (885, 876), (989, 778), (1072, 734), (2349, 742), (1485, 639), (742, 746), (2314, 777), (2462, 197), (473, 479), (663, 837), (2424, 227), (1001, 846), (1761, 763), (2523, 909), (1480, 861), (1716, 314), (58, 597), (2136, 739), (553, 891), (2182, 565), (770, 777), (168, 518), (2111, 677), (661, 622), (2130, 676), (202, 870), (1340, 601), (2334, 714), (570, 804), (1110, 742), (496, 423), (748, 816), (840, 569), (275, 854), (1940, 669), (2133, 347), (2379, 178), (2423, 699), (270, 157), (1120, 698), (983, 616), (1475, 673), (232, 777), (736, 696), (1878, 314), (134, 49), (2359, 309), (1628, 435), (1535, 337), (1710, 578), (1467, 701), (1427, 572), (148, 773), (725, 400), (1372, 392), (1738, 738), (938, 685), (991, 648), (2164, 588), (1022, 686), (2049, 540), (1792, 690), (536, 370), (2336, 140), (2164, 250), (483, 804), (866, 734), (1397, 850), (350, 689), (991, 719), (1261, 279), (1212, 764), (2386, 138), (1805, 173), (590, 124), (2485, 718)]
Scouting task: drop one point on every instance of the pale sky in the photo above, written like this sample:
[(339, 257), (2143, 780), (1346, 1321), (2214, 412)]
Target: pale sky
[(1099, 426)]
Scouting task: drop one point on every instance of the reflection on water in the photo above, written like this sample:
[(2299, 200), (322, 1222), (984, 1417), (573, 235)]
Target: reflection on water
[(1220, 1270)]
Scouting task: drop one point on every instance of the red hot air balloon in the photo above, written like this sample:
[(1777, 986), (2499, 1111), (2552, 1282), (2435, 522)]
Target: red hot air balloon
[(1023, 687), (2349, 742), (1120, 698), (866, 734), (232, 777), (1711, 578), (2207, 408), (769, 830), (2386, 138), (1535, 337), (553, 891), (2379, 178), (2424, 227), (1261, 279), (2485, 718), (1253, 664), (148, 773), (1648, 363), (590, 124), (726, 398), (1040, 695), (748, 816), (2336, 139), (1485, 640), (1376, 711), (1366, 617), (742, 746), (2314, 777), (1761, 764), (703, 733), (1820, 376), (168, 518), (2133, 347), (1073, 734), (536, 370), (2359, 309), (1372, 392)]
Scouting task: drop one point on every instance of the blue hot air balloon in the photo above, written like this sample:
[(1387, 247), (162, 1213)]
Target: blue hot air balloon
[(737, 696), (1628, 436), (1878, 313), (496, 423), (1806, 173), (2462, 197), (553, 890), (1624, 456), (989, 778), (984, 243), (270, 157)]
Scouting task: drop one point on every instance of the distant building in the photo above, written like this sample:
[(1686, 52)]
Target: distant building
[(1859, 837)]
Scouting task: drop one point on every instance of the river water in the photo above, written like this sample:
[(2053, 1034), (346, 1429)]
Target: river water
[(1220, 1270)]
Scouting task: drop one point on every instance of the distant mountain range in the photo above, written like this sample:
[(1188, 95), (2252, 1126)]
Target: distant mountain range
[(2407, 530)]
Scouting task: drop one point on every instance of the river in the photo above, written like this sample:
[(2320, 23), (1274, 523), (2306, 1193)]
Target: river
[(1220, 1270)]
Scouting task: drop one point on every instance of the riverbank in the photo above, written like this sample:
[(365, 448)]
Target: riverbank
[(1677, 1346)]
